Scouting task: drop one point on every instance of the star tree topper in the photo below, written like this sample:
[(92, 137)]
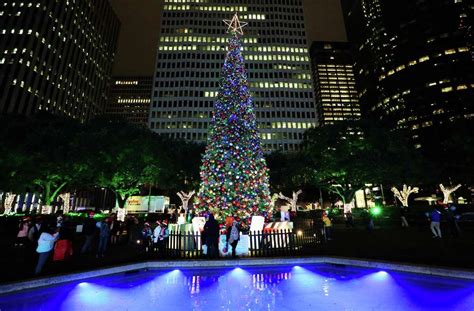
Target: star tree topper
[(235, 25)]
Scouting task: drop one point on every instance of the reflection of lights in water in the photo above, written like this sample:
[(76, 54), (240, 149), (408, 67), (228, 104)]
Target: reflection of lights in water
[(195, 286), (264, 280), (326, 287), (174, 277), (297, 288)]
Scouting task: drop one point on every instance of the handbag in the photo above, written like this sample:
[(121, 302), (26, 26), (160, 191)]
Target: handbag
[(204, 249)]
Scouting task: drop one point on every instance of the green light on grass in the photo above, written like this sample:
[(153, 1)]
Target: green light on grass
[(376, 211)]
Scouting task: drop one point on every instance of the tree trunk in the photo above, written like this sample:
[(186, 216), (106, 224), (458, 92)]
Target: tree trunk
[(121, 202), (149, 197), (47, 191), (56, 192)]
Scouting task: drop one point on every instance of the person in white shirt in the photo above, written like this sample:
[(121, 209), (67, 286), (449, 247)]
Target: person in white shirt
[(45, 247)]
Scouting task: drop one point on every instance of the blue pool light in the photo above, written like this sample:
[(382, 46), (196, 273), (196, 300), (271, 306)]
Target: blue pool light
[(381, 275), (306, 287)]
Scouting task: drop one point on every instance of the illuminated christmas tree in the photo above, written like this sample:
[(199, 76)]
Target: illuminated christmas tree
[(234, 175)]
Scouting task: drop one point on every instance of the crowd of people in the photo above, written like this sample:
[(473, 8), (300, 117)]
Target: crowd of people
[(447, 211), (62, 237)]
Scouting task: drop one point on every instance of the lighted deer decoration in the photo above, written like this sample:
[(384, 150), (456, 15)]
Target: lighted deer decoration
[(293, 200), (447, 192), (404, 194), (185, 197)]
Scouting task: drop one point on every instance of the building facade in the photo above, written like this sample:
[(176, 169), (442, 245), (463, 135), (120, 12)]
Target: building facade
[(130, 98), (191, 52), (56, 56), (334, 82), (413, 61)]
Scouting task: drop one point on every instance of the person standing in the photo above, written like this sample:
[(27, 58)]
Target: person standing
[(435, 218), (147, 235), (114, 231), (35, 231), (452, 220), (104, 236), (156, 235), (211, 233), (162, 239), (22, 236), (403, 216), (233, 237), (89, 231), (327, 226), (45, 247)]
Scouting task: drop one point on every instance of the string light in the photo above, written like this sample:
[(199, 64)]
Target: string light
[(234, 175), (447, 192), (404, 194)]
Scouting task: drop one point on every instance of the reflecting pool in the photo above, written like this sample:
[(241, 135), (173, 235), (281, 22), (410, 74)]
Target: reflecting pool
[(315, 287)]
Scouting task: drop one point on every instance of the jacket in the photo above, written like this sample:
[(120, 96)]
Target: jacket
[(46, 242)]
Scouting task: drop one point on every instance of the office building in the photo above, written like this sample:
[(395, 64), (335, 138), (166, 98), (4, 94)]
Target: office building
[(191, 52), (130, 98), (56, 56), (334, 83), (413, 62)]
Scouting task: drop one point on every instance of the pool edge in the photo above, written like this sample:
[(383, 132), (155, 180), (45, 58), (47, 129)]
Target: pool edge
[(10, 288)]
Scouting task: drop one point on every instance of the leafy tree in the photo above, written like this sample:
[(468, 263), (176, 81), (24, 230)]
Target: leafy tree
[(122, 157), (343, 157)]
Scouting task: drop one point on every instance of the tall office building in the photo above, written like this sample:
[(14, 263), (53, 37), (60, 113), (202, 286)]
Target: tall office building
[(56, 56), (130, 99), (334, 83), (413, 61), (190, 55)]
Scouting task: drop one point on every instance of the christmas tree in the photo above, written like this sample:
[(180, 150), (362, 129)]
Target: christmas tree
[(234, 175)]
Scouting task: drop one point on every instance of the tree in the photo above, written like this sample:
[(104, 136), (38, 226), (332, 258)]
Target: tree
[(185, 197), (234, 176), (447, 192), (404, 194), (124, 157), (41, 154), (293, 200), (343, 157)]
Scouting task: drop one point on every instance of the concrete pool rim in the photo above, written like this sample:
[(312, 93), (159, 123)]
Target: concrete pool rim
[(10, 288)]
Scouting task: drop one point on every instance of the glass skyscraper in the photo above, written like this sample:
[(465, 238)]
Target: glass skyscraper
[(190, 55), (56, 56), (129, 98), (413, 62), (334, 82)]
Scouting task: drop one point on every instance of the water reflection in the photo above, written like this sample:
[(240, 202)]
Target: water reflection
[(278, 288), (252, 290)]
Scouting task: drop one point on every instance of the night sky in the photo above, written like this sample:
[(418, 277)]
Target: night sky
[(141, 21)]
